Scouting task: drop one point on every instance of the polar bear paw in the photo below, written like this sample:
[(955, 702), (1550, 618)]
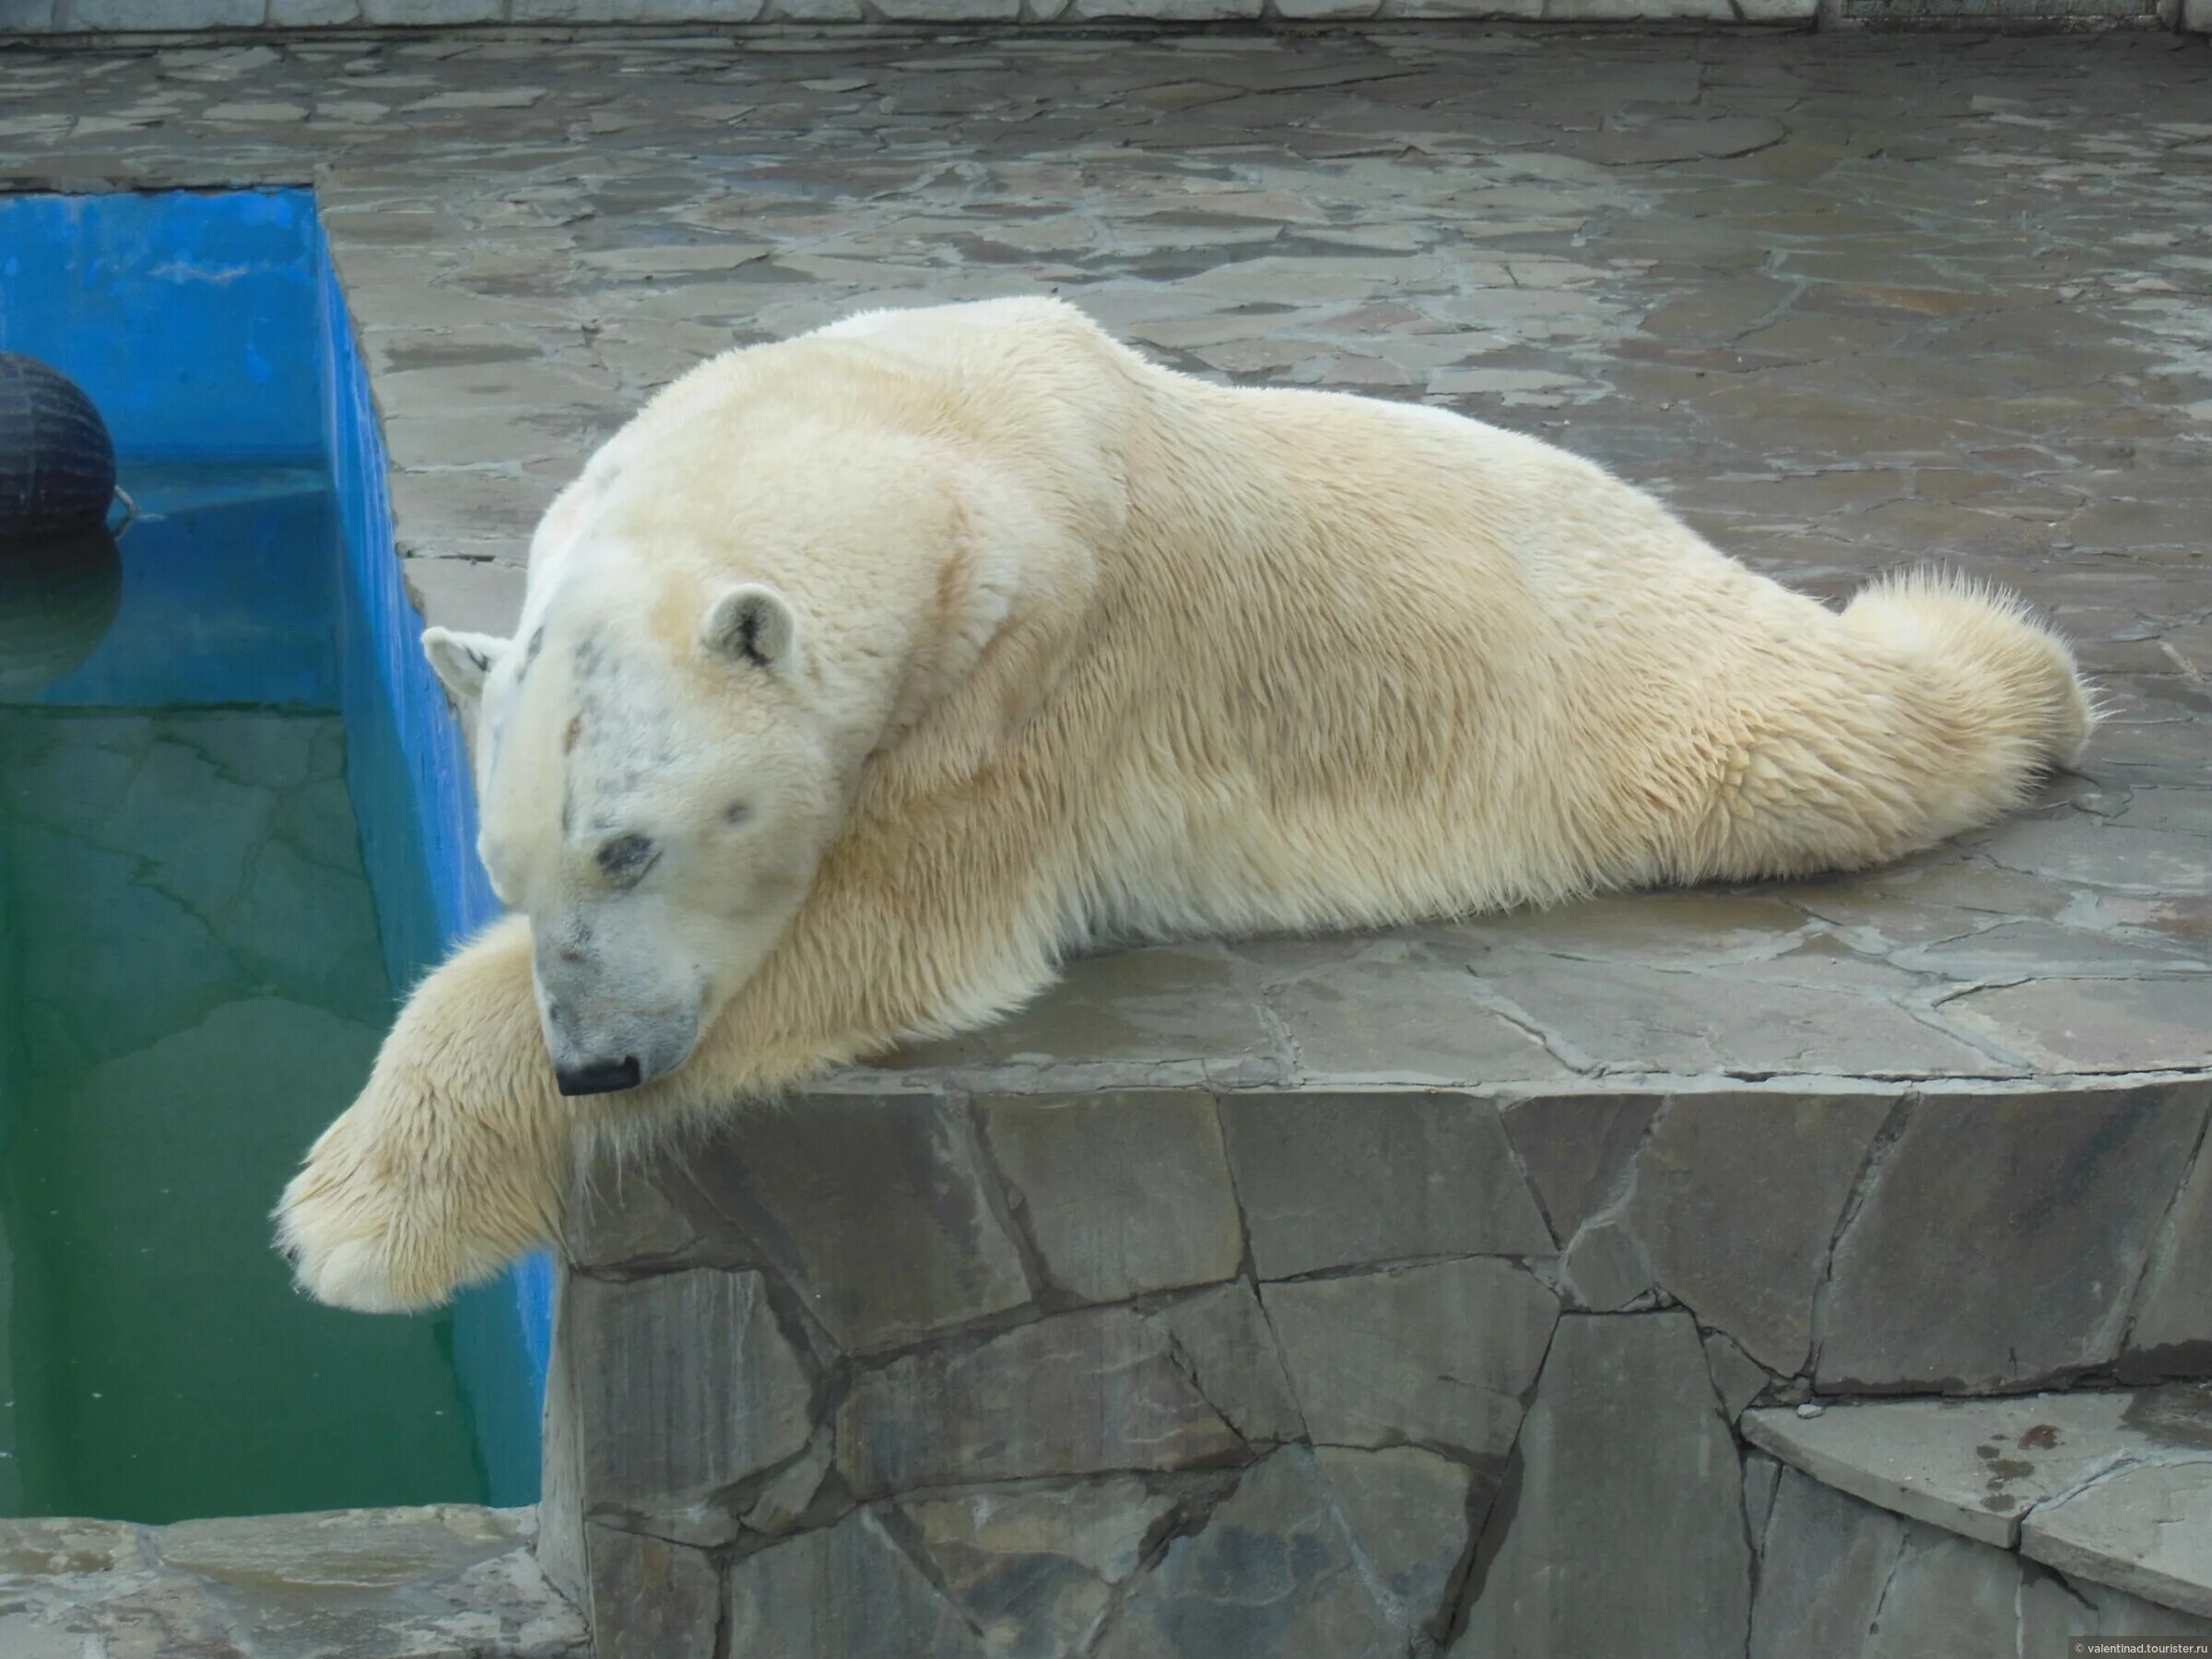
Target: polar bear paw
[(377, 1225)]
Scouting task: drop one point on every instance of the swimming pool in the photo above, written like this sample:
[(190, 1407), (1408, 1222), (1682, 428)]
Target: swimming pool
[(228, 834)]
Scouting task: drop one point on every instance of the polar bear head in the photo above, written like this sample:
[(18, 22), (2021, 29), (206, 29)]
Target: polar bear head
[(796, 560), (656, 804)]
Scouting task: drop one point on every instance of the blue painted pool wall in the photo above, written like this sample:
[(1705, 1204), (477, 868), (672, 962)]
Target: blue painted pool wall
[(190, 319), (232, 373), (210, 326), (405, 744)]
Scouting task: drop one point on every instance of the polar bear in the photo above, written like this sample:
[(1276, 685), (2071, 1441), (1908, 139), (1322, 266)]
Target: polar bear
[(865, 675)]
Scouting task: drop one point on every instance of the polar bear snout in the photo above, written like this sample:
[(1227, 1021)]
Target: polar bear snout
[(612, 1025)]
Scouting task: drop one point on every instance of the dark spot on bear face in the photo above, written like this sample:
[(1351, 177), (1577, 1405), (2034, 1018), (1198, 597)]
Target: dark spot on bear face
[(625, 859), (537, 643), (569, 737)]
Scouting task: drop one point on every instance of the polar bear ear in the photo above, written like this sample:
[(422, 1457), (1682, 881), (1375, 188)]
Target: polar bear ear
[(753, 623), (463, 660)]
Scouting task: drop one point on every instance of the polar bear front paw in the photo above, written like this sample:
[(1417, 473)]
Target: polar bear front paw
[(376, 1224)]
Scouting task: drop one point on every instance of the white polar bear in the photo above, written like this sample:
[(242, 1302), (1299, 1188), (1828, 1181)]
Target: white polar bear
[(862, 675)]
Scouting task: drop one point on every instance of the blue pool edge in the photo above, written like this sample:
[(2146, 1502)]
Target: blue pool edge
[(401, 730)]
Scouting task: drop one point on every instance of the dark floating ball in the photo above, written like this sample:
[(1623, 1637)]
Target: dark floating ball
[(58, 598), (57, 462)]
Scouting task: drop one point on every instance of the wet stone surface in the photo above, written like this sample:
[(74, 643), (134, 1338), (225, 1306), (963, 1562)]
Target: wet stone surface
[(1418, 1262), (446, 1583)]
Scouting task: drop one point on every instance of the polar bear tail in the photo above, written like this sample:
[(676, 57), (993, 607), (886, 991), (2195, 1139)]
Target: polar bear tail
[(2008, 678)]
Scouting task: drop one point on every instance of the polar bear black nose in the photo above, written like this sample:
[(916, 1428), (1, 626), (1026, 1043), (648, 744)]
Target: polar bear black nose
[(598, 1076)]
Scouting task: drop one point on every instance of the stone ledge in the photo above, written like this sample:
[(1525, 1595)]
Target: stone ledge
[(175, 17), (1845, 1580), (2113, 1488), (1497, 1333), (448, 1581)]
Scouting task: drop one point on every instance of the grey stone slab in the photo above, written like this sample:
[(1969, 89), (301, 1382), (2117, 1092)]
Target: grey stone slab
[(1084, 1393), (620, 1216), (1576, 1148), (1272, 1572), (1439, 1356), (881, 1207), (652, 1599), (1946, 1596), (1034, 1567), (437, 1581), (1122, 1194), (1197, 1008), (1736, 1200), (1825, 1562), (2055, 1612), (1978, 1467), (1222, 1340), (844, 1590), (1623, 1511), (2095, 1025), (1334, 1181), (1740, 1018), (2002, 1238), (2145, 1529), (685, 1384), (1406, 1511), (91, 15), (1405, 1022)]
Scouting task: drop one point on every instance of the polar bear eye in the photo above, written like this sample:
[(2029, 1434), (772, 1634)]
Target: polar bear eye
[(625, 859), (736, 812)]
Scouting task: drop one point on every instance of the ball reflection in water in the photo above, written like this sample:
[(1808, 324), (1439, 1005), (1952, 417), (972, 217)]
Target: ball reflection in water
[(58, 596)]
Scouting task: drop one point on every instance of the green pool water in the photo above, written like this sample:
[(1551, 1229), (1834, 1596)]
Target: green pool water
[(193, 982)]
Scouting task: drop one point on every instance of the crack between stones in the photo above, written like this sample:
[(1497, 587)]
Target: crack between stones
[(1878, 1152), (906, 1538), (2104, 1469), (1186, 1520), (1507, 1493), (1874, 1622), (1248, 1274), (1559, 1048), (1009, 1207)]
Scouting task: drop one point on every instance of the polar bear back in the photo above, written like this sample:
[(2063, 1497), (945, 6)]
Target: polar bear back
[(1320, 659)]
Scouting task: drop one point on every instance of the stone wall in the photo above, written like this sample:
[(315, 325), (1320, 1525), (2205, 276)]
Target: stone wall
[(1168, 1372), (99, 17)]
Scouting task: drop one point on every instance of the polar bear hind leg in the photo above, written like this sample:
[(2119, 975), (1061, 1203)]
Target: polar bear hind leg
[(1933, 708)]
